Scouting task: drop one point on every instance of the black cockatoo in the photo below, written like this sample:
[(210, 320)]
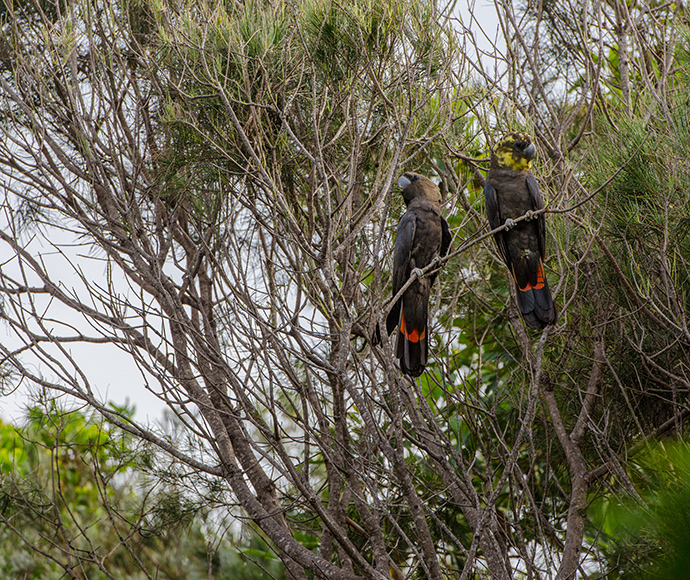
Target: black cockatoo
[(511, 191), (422, 235)]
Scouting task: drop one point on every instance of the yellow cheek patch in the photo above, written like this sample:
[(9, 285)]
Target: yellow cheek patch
[(506, 159)]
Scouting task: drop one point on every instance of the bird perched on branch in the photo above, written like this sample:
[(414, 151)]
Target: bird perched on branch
[(422, 236), (510, 191)]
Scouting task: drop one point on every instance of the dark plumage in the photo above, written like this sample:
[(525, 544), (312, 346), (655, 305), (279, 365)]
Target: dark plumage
[(511, 191), (422, 235)]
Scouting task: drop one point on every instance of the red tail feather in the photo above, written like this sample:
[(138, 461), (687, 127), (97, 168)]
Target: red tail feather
[(415, 335), (540, 280)]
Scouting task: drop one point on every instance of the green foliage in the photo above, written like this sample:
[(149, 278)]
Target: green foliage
[(73, 485), (645, 537), (634, 283), (31, 9), (644, 211), (274, 64)]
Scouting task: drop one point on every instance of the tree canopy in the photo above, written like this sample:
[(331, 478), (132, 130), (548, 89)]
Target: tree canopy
[(209, 188)]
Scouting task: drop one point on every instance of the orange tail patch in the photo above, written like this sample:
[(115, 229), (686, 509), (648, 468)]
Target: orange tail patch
[(415, 335), (540, 280)]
